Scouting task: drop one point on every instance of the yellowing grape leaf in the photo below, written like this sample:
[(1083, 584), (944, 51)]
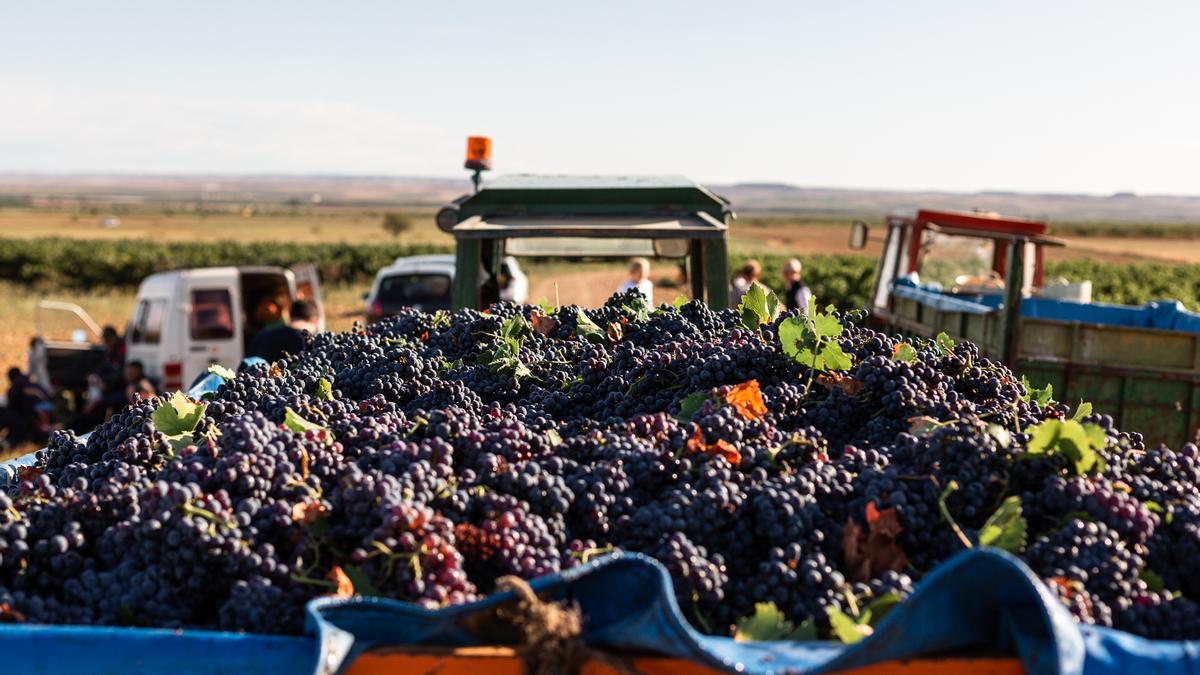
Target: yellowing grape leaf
[(221, 371), (1005, 529), (904, 353), (294, 422), (177, 415)]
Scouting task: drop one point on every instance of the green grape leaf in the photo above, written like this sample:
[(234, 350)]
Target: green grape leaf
[(794, 336), (904, 353), (1002, 435), (1154, 581), (827, 358), (587, 329), (846, 630), (638, 309), (826, 326), (177, 414), (544, 305), (362, 581), (945, 344), (768, 624), (1006, 528), (1082, 411), (1044, 396), (324, 390), (835, 358), (808, 342), (515, 328), (878, 608), (1154, 507), (1097, 439), (679, 301), (221, 371), (180, 441), (805, 632), (690, 405), (294, 422), (758, 306), (1078, 442)]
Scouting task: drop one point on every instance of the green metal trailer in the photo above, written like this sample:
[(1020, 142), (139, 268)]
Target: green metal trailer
[(1140, 365), (590, 217)]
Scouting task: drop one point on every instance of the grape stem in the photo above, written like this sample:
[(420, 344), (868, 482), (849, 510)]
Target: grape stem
[(950, 488)]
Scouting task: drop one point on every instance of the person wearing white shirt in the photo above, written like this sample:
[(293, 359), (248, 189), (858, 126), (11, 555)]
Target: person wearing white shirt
[(639, 278), (746, 277), (797, 296)]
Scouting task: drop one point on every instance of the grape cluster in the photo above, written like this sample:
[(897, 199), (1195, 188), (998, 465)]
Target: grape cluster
[(428, 468)]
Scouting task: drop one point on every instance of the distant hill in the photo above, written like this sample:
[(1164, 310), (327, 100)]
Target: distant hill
[(392, 191)]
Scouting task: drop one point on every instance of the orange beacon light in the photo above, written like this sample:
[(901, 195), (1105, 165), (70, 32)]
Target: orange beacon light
[(479, 153)]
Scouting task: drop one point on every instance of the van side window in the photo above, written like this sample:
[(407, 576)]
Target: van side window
[(147, 321), (212, 314)]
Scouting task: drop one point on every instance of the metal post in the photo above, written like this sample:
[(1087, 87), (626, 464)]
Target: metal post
[(1014, 283), (476, 179), (716, 273), (466, 274), (696, 268)]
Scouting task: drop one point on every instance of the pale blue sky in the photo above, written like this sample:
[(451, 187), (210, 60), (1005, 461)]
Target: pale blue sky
[(1042, 96)]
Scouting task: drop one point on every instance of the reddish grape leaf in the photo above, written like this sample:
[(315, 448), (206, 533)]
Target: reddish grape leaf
[(10, 615), (923, 426), (722, 448), (308, 512), (425, 336), (872, 513), (887, 524), (746, 398), (725, 449), (344, 587), (870, 552), (835, 380), (544, 325), (29, 473), (275, 371)]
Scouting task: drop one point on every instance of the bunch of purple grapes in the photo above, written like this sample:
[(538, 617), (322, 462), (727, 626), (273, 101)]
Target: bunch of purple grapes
[(427, 468)]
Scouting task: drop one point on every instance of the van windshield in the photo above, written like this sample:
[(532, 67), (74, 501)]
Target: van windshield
[(429, 291)]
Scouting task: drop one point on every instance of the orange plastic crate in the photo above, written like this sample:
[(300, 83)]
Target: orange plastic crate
[(505, 661)]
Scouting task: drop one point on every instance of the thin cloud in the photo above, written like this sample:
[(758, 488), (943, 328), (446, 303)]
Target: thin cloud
[(72, 128)]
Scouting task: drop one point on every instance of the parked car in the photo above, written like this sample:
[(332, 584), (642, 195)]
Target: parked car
[(425, 282)]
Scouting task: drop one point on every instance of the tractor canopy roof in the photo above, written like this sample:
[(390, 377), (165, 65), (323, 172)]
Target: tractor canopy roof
[(657, 207)]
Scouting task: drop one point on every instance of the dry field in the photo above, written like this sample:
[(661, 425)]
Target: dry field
[(565, 283), (302, 224)]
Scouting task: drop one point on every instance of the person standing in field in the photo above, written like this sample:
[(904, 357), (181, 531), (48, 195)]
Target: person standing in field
[(286, 338), (797, 296), (639, 278), (746, 277)]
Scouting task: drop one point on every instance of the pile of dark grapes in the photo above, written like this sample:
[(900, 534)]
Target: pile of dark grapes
[(434, 461)]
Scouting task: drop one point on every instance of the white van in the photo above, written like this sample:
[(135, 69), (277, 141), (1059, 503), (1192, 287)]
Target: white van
[(186, 320)]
